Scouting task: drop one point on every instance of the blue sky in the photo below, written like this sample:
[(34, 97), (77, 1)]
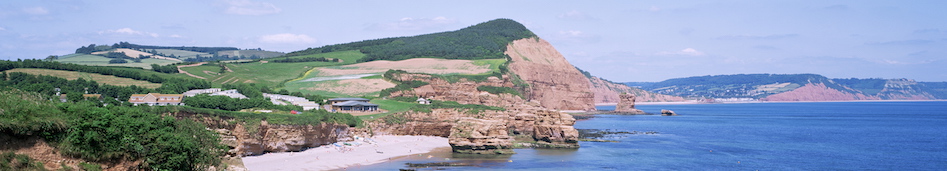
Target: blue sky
[(618, 40)]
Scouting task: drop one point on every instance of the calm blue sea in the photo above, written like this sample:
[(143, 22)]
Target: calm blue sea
[(753, 136)]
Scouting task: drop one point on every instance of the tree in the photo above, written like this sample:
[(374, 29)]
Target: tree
[(52, 57), (117, 61)]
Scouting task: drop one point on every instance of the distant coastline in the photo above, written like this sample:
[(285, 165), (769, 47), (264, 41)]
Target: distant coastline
[(697, 102)]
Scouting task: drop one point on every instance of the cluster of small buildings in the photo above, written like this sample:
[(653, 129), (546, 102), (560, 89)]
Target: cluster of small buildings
[(156, 99), (232, 93), (336, 104), (298, 101)]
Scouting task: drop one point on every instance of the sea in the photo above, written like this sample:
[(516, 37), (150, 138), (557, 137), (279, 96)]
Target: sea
[(877, 135)]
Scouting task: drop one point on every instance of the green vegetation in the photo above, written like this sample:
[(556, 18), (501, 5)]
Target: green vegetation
[(276, 73), (180, 54), (112, 133), (234, 104), (470, 108), (486, 40), (135, 46), (95, 60), (117, 61), (314, 117), (307, 59), (251, 52), (401, 85), (395, 106), (13, 161), (101, 79), (499, 90)]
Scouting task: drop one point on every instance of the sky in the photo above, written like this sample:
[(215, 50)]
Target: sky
[(620, 40)]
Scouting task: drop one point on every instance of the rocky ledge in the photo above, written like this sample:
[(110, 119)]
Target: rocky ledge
[(479, 132)]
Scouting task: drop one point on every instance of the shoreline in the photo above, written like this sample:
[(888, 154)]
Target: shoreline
[(696, 102), (329, 157)]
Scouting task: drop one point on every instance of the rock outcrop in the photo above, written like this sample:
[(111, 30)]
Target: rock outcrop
[(606, 92), (257, 139), (480, 132), (554, 83), (626, 104), (666, 112), (481, 136)]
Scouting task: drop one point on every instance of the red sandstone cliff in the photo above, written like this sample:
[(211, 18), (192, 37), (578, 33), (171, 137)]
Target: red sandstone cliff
[(554, 83), (484, 132), (817, 92), (607, 92)]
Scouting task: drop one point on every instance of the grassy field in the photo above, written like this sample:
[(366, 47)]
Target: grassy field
[(493, 63), (271, 73), (101, 79), (391, 106), (248, 53), (95, 60), (181, 54)]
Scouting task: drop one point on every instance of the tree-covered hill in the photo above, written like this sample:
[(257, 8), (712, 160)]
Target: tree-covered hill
[(486, 40), (93, 48)]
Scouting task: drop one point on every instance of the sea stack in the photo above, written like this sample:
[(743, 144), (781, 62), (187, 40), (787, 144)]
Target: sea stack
[(666, 112), (626, 104)]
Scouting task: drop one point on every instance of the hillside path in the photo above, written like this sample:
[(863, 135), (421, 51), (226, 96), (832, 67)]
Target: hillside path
[(189, 74)]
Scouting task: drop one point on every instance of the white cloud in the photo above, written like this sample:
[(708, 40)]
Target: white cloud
[(129, 31), (3, 29), (36, 11), (247, 7), (176, 36), (575, 36), (654, 9), (408, 23), (686, 52), (287, 38), (575, 15)]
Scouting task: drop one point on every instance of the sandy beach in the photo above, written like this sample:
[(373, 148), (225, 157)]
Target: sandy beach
[(377, 149)]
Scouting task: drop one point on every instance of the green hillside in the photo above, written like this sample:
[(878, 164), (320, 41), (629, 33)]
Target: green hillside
[(180, 54), (486, 40), (251, 53), (96, 60)]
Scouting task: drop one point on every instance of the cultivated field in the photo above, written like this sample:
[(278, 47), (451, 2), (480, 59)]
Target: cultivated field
[(103, 61), (332, 81), (270, 73), (417, 65), (101, 79), (341, 88), (248, 53), (181, 54)]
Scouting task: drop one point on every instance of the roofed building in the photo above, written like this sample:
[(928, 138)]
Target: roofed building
[(345, 99), (152, 99), (354, 106)]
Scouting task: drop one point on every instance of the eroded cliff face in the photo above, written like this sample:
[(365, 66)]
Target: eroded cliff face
[(481, 132), (607, 92), (264, 138), (903, 89), (554, 83), (817, 92)]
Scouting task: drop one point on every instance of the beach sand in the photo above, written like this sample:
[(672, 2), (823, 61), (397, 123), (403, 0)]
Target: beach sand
[(329, 157)]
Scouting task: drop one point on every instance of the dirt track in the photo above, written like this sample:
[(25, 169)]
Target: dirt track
[(189, 74)]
